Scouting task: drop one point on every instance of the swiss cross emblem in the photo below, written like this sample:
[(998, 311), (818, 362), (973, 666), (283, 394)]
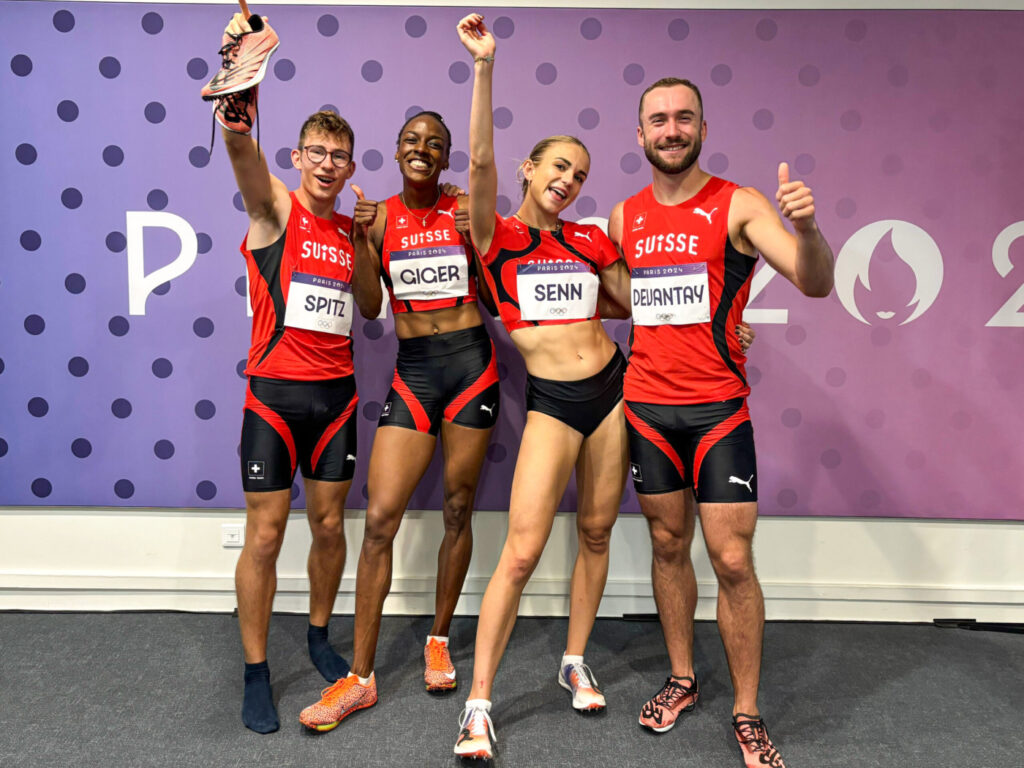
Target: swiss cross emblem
[(401, 221), (638, 221)]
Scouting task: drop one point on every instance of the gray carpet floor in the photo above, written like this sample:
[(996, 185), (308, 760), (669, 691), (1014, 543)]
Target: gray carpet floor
[(164, 689)]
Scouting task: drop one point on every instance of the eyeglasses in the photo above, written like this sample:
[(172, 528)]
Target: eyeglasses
[(316, 154)]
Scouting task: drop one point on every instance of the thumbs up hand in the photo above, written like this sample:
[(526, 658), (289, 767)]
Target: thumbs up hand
[(795, 201), (365, 213)]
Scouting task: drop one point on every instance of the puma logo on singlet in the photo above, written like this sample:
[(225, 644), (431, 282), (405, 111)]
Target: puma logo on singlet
[(736, 480), (490, 410), (584, 235), (705, 214), (446, 212)]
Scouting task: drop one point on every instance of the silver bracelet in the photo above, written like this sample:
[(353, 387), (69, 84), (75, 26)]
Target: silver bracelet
[(483, 58)]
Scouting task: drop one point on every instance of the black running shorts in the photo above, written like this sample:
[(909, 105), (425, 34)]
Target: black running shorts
[(709, 447), (452, 375), (298, 424), (581, 404)]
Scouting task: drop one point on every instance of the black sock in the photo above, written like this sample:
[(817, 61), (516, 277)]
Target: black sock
[(258, 711), (332, 666)]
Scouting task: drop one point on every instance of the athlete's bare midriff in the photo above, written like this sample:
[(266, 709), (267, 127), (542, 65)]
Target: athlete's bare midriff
[(564, 352), (411, 325)]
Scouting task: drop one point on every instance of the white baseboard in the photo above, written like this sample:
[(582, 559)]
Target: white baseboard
[(810, 568)]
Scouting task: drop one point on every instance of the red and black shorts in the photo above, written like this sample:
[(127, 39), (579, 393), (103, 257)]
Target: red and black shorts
[(709, 447), (298, 424), (452, 375)]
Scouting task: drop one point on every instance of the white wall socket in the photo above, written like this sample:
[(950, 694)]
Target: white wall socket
[(232, 535)]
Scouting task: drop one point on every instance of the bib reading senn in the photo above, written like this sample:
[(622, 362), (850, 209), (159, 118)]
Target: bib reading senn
[(556, 291)]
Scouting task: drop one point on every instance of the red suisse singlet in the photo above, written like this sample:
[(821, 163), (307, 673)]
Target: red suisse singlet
[(300, 290), (688, 286), (425, 263), (546, 278)]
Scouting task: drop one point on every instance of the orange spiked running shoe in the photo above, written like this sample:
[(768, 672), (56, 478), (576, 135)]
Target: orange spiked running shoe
[(244, 60), (439, 673), (338, 702)]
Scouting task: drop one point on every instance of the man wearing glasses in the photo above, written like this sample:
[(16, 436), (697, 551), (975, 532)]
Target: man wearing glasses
[(301, 397)]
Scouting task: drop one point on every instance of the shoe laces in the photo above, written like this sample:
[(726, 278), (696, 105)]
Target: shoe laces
[(754, 734), (437, 653), (672, 692), (584, 675), (334, 693), (477, 720), (230, 48)]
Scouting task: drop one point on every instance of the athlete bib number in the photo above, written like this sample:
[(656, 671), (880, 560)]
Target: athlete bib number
[(423, 274), (556, 291), (671, 295), (318, 303)]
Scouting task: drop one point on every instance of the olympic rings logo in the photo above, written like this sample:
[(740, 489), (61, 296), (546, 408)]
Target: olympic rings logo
[(665, 316), (557, 310), (325, 324)]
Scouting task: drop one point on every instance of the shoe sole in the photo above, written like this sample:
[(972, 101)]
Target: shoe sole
[(442, 688), (324, 727), (593, 709), (256, 80), (475, 756)]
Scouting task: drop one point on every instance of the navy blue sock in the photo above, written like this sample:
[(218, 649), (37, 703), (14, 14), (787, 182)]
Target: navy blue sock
[(258, 711), (332, 666)]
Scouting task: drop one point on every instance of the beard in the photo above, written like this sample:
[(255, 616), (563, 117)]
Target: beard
[(673, 167)]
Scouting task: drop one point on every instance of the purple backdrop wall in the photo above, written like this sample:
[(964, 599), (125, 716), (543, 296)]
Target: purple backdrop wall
[(897, 396)]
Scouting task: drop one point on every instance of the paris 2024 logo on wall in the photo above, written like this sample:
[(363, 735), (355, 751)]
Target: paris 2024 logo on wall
[(912, 245)]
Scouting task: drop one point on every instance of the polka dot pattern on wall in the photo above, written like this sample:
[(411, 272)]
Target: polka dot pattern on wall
[(21, 65), (721, 74), (591, 28), (678, 29), (327, 25), (804, 372), (110, 67), (546, 73), (633, 74), (503, 27), (25, 153)]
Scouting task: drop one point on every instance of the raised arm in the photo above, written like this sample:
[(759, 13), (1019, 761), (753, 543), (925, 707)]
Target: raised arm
[(805, 258), (368, 220), (265, 196), (483, 174)]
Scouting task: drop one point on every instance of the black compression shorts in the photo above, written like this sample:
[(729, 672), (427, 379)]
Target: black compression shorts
[(709, 447), (298, 424), (449, 375)]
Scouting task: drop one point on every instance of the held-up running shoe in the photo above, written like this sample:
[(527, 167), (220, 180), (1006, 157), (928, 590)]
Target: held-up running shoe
[(338, 702), (244, 60), (755, 746), (578, 679), (439, 674), (477, 732), (661, 712)]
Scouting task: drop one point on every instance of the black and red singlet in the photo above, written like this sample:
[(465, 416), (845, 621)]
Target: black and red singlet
[(689, 286), (425, 262), (539, 277), (301, 295)]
